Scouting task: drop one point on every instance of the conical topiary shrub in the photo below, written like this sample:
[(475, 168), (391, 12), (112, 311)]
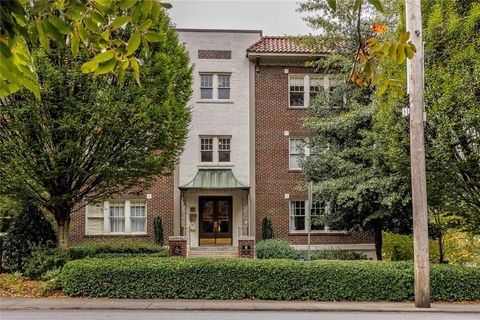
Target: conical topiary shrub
[(158, 230), (267, 228)]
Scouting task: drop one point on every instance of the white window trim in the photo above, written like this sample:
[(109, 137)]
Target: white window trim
[(306, 87), (305, 231), (215, 157), (290, 168), (215, 98), (106, 218)]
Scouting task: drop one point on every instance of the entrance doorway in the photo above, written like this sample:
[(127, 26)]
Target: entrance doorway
[(215, 214)]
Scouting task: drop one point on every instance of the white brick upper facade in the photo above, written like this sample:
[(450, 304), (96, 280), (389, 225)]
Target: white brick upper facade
[(214, 117)]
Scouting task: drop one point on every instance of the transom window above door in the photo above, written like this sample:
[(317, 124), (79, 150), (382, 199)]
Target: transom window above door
[(215, 149), (215, 86)]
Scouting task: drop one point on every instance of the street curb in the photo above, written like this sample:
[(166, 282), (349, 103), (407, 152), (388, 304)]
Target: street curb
[(233, 306)]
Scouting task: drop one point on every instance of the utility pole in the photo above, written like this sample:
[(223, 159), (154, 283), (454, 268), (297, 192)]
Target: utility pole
[(417, 155)]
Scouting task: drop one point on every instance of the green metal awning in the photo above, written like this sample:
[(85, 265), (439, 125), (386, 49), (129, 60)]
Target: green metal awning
[(214, 179)]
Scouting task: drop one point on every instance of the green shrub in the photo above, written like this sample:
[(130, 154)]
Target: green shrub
[(267, 228), (274, 249), (262, 279), (397, 247), (54, 283), (42, 260), (29, 228), (158, 231), (333, 254), (123, 248)]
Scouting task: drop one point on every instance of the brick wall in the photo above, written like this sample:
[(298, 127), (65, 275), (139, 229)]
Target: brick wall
[(273, 179), (161, 205)]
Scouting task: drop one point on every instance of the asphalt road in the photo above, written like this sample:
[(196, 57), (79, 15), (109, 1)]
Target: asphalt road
[(220, 315)]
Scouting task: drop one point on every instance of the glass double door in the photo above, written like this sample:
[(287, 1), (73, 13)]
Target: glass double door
[(215, 220)]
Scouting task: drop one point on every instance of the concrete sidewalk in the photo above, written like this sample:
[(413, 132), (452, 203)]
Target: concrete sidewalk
[(226, 305)]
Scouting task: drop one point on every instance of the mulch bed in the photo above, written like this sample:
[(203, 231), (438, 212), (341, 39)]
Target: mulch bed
[(12, 285)]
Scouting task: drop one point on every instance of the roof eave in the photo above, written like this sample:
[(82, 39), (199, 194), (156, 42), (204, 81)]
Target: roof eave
[(253, 54)]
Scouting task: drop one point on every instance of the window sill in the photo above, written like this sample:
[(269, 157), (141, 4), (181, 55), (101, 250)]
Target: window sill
[(326, 233), (294, 170), (215, 165), (116, 235), (212, 101), (297, 108)]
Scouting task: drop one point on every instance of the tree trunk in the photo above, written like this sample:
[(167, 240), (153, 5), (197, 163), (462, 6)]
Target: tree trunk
[(377, 232), (440, 247), (63, 227)]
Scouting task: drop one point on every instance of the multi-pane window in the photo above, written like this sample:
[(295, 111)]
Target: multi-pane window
[(206, 149), (304, 88), (223, 149), (137, 216), (298, 218), (224, 86), (215, 86), (316, 84), (117, 217), (297, 215), (215, 149), (206, 86), (318, 210), (297, 90), (95, 218), (295, 145)]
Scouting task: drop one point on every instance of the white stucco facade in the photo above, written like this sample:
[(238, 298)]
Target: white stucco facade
[(218, 118)]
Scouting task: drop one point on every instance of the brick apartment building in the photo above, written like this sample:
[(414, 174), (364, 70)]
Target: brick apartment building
[(240, 163)]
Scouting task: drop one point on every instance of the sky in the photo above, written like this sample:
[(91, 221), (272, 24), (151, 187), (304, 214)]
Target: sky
[(274, 17)]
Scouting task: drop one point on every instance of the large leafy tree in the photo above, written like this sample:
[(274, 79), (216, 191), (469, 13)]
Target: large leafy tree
[(95, 25), (348, 171), (452, 105), (89, 137), (452, 58)]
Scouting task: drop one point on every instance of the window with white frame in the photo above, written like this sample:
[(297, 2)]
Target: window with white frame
[(295, 145), (95, 218), (318, 211), (206, 86), (206, 149), (223, 149), (137, 216), (116, 217), (297, 215), (298, 218), (215, 149), (215, 86), (304, 88), (223, 86), (297, 91)]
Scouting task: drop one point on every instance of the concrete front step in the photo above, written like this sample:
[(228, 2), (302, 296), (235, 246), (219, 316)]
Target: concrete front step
[(213, 252)]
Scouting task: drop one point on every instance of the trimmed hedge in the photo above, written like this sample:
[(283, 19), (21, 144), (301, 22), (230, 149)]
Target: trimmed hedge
[(117, 248), (262, 279), (275, 249)]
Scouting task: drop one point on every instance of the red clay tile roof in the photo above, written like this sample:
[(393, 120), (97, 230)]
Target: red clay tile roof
[(278, 45)]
